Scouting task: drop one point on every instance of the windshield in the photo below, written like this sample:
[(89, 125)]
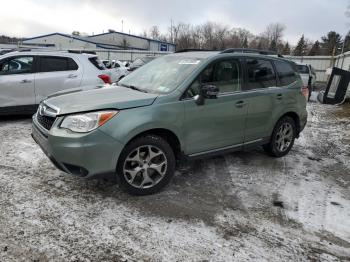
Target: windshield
[(303, 69), (162, 75)]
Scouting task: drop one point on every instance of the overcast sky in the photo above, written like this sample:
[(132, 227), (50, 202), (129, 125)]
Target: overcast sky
[(314, 18)]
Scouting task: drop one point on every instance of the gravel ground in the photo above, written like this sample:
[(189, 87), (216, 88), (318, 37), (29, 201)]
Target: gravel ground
[(238, 207)]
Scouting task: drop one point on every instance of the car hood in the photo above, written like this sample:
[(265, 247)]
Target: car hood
[(115, 97), (76, 89)]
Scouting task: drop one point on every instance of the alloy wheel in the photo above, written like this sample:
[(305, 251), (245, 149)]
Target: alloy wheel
[(284, 137), (145, 166)]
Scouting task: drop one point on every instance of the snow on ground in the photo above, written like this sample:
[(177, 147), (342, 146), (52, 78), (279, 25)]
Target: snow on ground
[(238, 207)]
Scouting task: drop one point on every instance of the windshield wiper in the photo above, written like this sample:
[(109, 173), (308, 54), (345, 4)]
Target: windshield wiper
[(134, 88)]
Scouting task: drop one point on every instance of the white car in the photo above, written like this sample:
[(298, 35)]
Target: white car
[(118, 70), (26, 78), (306, 71), (308, 76)]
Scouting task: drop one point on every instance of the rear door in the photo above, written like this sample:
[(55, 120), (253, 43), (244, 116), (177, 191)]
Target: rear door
[(263, 100), (56, 73), (17, 82)]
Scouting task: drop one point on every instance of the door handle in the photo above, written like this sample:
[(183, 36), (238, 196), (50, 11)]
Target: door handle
[(72, 76), (25, 81), (240, 104), (279, 96)]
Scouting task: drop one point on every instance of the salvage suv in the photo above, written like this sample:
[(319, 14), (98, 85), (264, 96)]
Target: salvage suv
[(181, 106)]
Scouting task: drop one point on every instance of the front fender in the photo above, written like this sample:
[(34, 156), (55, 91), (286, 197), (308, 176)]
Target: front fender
[(131, 122)]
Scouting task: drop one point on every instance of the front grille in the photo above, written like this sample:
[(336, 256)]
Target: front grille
[(45, 121)]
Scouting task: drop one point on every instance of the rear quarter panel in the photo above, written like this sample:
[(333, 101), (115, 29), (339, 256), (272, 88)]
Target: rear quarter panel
[(293, 102)]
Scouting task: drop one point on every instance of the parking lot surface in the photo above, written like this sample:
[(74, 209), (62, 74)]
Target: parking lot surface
[(242, 206)]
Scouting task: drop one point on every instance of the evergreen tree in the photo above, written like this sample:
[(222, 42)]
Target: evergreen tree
[(315, 49), (332, 42), (301, 47), (259, 45), (347, 42), (273, 45), (286, 49), (245, 43)]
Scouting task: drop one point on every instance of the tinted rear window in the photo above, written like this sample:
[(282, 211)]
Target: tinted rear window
[(303, 69), (56, 63), (97, 63), (260, 74), (285, 72)]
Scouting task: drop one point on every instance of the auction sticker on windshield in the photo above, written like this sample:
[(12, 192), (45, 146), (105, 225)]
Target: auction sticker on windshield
[(189, 62)]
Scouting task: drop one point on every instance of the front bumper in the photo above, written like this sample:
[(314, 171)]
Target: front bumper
[(85, 155)]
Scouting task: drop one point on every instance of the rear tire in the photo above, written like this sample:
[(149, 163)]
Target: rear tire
[(282, 139), (146, 165)]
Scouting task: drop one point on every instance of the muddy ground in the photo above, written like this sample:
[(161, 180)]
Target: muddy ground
[(238, 207)]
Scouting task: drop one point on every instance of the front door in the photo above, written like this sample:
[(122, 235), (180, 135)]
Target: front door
[(17, 82), (219, 123)]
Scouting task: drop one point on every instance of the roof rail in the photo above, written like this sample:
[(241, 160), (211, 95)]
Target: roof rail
[(250, 51), (36, 49), (193, 50), (82, 52)]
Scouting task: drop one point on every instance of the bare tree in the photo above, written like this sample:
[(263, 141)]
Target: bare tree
[(154, 32), (274, 33), (220, 35), (208, 35), (144, 33), (243, 36)]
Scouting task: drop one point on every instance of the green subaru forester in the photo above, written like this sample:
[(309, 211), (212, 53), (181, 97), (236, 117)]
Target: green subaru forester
[(180, 106)]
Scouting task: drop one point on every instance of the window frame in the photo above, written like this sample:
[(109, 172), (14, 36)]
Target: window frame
[(32, 70), (246, 74), (221, 59)]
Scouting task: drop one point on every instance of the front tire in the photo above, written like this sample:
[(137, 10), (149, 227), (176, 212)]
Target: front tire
[(282, 139), (146, 165)]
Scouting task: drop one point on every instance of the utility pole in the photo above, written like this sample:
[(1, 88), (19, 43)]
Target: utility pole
[(171, 31), (122, 26), (343, 49)]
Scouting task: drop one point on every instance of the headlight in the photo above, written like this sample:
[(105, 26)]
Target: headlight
[(83, 123)]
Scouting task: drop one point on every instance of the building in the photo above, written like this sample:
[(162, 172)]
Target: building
[(107, 41)]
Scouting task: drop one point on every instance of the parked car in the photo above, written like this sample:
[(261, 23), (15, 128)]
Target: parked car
[(118, 71), (308, 76), (107, 63), (181, 106), (26, 78), (5, 51), (140, 62)]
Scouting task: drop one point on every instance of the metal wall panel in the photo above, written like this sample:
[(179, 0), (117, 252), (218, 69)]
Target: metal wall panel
[(321, 63)]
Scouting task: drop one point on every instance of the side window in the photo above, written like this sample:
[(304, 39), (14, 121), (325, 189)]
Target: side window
[(285, 72), (97, 63), (225, 75), (72, 65), (260, 74), (16, 65), (53, 64)]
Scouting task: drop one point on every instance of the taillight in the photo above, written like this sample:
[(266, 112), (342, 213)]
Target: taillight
[(305, 92), (105, 78)]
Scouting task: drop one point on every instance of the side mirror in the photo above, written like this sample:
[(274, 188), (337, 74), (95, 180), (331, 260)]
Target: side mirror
[(207, 92)]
